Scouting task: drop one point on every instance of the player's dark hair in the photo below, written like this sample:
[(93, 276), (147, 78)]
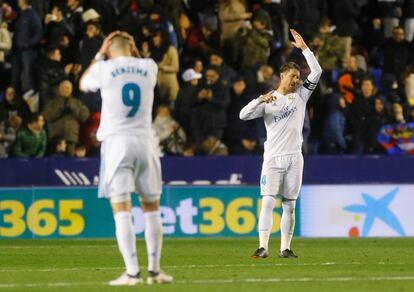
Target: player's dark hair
[(288, 66)]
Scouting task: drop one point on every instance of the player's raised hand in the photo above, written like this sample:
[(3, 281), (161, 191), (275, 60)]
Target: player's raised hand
[(107, 42), (130, 38), (298, 40), (266, 98)]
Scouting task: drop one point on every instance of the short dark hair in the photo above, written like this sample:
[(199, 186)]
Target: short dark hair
[(289, 65), (32, 118), (214, 68)]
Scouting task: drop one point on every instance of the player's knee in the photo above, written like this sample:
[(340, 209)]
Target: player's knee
[(289, 205), (121, 202), (268, 202), (150, 206)]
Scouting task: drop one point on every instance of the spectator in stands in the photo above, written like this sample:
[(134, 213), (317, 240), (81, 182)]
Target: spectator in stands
[(344, 15), (13, 105), (409, 85), (88, 48), (334, 129), (170, 134), (26, 38), (212, 145), (376, 121), (256, 43), (398, 53), (390, 13), (80, 150), (227, 74), (237, 129), (397, 112), (198, 66), (362, 108), (209, 112), (57, 27), (50, 73), (408, 14), (260, 80), (58, 147), (305, 15), (74, 18), (166, 56), (390, 88), (64, 114), (202, 39), (90, 44), (185, 100), (328, 47), (277, 23), (5, 46), (8, 132), (410, 115), (31, 140), (232, 15), (349, 81)]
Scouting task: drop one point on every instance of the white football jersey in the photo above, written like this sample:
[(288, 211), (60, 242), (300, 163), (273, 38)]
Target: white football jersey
[(127, 91), (284, 116)]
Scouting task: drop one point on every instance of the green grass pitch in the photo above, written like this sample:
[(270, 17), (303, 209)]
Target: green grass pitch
[(213, 265)]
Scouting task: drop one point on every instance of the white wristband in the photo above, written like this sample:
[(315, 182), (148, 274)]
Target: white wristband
[(99, 57)]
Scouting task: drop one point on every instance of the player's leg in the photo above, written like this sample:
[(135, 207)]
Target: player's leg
[(270, 184), (148, 185), (125, 236), (293, 182), (153, 240), (116, 184)]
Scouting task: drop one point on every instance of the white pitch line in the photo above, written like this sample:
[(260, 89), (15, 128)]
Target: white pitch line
[(57, 246), (223, 281), (11, 270)]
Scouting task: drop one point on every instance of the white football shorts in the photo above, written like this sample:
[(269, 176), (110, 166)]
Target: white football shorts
[(282, 175), (130, 164)]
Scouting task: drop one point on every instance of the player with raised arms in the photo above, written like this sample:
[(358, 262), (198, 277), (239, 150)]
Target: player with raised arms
[(129, 160), (283, 111)]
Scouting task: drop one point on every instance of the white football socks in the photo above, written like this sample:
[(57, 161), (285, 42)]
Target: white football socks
[(153, 239), (125, 236), (266, 220), (287, 224)]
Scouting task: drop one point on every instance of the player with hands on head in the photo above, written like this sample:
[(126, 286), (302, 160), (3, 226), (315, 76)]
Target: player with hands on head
[(129, 157), (283, 111)]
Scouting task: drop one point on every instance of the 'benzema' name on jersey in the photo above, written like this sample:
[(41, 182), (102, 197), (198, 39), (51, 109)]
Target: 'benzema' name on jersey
[(128, 70)]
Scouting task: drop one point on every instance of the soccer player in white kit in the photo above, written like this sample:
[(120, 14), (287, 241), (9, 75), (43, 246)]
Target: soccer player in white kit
[(283, 111), (129, 160)]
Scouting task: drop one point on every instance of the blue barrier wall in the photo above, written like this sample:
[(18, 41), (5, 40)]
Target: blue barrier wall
[(214, 170)]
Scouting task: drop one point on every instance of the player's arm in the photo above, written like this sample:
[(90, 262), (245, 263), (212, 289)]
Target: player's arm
[(255, 108), (316, 70), (89, 80)]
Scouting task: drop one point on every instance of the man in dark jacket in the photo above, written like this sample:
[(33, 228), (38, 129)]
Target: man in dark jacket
[(241, 135), (361, 110), (27, 35), (305, 15), (397, 53), (209, 112), (50, 74), (185, 99)]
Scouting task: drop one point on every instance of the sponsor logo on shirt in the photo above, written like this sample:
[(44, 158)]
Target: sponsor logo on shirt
[(285, 114)]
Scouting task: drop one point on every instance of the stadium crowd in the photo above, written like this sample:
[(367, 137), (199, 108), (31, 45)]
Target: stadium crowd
[(213, 56)]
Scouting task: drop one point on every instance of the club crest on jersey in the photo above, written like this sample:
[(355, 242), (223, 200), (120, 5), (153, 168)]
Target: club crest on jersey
[(291, 96)]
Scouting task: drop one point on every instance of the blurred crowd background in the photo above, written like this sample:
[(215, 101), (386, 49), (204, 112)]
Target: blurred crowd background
[(213, 58)]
